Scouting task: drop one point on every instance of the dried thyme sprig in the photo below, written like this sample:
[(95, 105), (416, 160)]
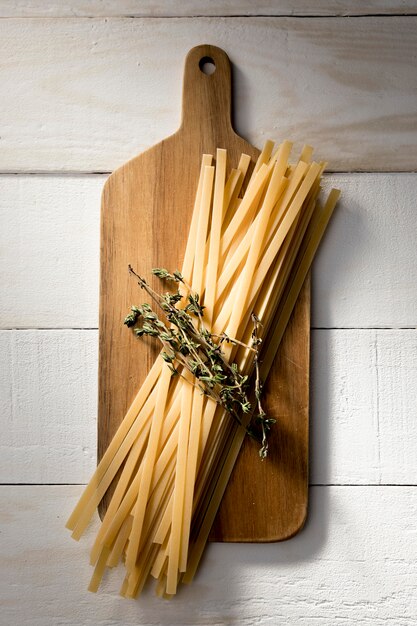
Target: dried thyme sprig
[(262, 419), (187, 342)]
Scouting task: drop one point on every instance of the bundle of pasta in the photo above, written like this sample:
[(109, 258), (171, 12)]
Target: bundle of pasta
[(246, 259)]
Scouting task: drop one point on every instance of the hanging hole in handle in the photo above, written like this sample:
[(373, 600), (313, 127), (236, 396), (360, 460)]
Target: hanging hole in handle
[(207, 66)]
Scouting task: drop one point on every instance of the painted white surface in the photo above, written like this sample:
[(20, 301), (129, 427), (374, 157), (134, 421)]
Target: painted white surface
[(354, 563), (49, 251), (84, 95), (88, 94), (48, 404), (363, 406), (192, 8), (365, 274)]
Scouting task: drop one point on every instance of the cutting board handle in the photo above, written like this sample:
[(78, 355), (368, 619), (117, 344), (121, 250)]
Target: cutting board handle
[(207, 99)]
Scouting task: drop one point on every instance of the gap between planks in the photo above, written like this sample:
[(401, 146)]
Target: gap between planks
[(127, 16), (86, 173), (310, 485), (59, 328)]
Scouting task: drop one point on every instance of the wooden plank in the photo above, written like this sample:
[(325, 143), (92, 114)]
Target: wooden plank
[(365, 273), (192, 8), (49, 406), (355, 563), (363, 406), (49, 266), (86, 95), (363, 398), (372, 232)]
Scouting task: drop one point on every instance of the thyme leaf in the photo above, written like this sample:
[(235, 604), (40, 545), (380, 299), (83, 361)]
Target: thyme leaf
[(187, 343)]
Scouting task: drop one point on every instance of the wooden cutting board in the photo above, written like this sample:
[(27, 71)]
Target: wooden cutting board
[(145, 215)]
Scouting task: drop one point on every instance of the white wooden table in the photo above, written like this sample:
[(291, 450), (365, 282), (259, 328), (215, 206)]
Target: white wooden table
[(87, 85)]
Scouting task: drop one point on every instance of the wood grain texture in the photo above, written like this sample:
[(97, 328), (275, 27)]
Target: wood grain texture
[(354, 563), (48, 405), (268, 501), (357, 280), (193, 8), (91, 94), (365, 274), (85, 95), (50, 244), (146, 211), (364, 398), (362, 407)]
